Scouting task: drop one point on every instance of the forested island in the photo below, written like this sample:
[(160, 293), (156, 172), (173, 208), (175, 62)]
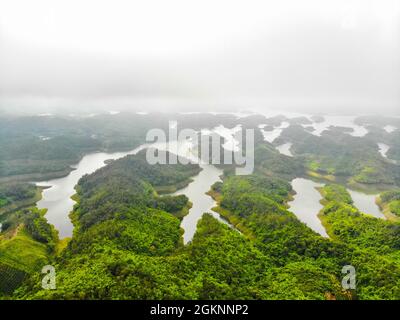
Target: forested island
[(127, 238)]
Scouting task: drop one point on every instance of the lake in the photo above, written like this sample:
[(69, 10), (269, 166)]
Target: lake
[(285, 149), (57, 197), (201, 184), (366, 203), (306, 204), (271, 135), (338, 121), (196, 192)]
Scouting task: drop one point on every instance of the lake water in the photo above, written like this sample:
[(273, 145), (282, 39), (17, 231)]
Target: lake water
[(383, 149), (201, 184), (285, 149), (271, 135), (196, 192), (318, 127), (338, 121), (389, 128), (366, 203), (231, 143), (57, 197), (306, 204)]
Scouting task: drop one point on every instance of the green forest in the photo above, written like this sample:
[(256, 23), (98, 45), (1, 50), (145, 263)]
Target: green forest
[(127, 240)]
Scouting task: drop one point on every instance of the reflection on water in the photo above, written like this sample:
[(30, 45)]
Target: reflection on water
[(366, 203), (306, 204)]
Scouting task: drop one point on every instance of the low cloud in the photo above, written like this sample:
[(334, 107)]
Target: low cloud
[(339, 58)]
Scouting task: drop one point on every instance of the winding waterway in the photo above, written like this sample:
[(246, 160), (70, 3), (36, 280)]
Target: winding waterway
[(56, 198), (306, 204), (201, 202), (338, 121), (366, 203), (273, 134), (197, 190), (383, 150)]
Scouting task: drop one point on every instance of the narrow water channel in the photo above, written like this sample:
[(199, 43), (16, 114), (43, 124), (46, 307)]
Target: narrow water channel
[(306, 204), (197, 190), (201, 202), (56, 198), (366, 203)]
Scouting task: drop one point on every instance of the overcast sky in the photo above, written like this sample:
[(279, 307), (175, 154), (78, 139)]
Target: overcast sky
[(294, 55)]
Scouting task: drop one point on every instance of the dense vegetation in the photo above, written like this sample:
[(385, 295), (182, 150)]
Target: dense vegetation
[(27, 242), (378, 134), (135, 251), (127, 241), (372, 244), (336, 193), (125, 246), (369, 244), (127, 183), (339, 154), (392, 200), (44, 147), (14, 192)]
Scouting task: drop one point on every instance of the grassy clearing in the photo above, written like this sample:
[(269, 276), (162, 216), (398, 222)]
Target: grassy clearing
[(20, 255), (22, 252)]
